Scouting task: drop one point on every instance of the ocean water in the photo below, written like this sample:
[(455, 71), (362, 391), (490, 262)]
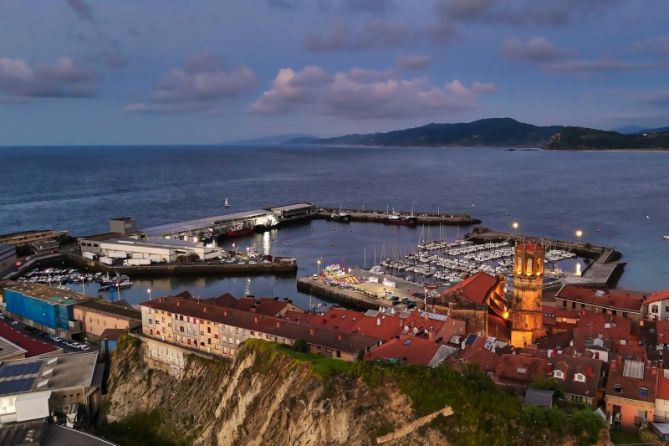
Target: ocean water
[(617, 199)]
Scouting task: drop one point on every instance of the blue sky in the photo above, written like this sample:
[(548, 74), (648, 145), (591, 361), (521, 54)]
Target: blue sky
[(173, 72)]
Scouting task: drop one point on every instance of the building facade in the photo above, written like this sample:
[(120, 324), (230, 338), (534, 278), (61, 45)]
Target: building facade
[(96, 316), (7, 259)]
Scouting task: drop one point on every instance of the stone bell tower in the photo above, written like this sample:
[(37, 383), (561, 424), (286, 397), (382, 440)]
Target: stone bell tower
[(528, 277)]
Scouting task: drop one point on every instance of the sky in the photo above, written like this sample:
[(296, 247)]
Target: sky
[(206, 72)]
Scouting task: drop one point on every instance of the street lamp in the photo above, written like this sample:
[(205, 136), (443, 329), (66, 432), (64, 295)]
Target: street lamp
[(318, 264), (579, 234), (515, 225), (149, 293)]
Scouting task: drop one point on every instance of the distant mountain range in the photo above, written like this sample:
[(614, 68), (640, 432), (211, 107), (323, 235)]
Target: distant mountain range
[(502, 132), (270, 140)]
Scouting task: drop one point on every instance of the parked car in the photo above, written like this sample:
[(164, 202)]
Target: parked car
[(56, 338), (15, 322), (2, 316)]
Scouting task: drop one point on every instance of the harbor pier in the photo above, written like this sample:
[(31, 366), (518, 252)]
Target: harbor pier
[(382, 216)]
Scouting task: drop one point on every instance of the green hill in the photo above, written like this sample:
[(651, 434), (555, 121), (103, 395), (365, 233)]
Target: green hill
[(499, 132)]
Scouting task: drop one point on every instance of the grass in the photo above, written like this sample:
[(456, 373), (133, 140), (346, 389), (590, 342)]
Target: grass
[(140, 429), (484, 414), (625, 437)]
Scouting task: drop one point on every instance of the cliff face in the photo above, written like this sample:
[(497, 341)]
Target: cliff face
[(261, 398)]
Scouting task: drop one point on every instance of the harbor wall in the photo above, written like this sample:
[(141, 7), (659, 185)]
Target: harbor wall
[(425, 218), (349, 298), (224, 269)]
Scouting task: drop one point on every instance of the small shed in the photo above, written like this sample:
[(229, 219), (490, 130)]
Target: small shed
[(538, 397)]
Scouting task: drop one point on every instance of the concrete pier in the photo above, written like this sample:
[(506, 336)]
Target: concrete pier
[(347, 297), (277, 267), (421, 218)]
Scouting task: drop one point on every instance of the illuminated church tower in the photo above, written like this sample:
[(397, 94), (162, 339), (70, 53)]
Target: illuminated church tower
[(528, 277)]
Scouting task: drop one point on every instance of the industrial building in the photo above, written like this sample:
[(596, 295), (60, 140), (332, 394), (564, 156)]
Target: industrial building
[(296, 211), (7, 259), (137, 252), (212, 225), (35, 388), (39, 241), (45, 308), (98, 316)]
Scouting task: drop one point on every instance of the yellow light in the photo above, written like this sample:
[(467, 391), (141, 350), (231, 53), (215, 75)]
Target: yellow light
[(579, 233), (505, 315), (514, 225)]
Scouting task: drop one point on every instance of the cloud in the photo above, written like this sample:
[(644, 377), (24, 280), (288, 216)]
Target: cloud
[(659, 99), (451, 16), (657, 45), (64, 78), (370, 6), (536, 49), (83, 10), (363, 94), (197, 87), (375, 33), (413, 61), (587, 67)]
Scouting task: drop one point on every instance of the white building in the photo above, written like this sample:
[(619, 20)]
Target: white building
[(658, 305), (156, 250)]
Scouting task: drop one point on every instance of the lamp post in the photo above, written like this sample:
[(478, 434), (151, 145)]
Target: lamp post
[(515, 225), (318, 265), (148, 291)]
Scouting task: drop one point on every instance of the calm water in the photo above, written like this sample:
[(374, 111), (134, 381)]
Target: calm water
[(617, 198)]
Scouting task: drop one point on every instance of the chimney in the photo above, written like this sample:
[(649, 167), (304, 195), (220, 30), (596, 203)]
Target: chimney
[(339, 337), (255, 319), (204, 309), (312, 331), (430, 334), (278, 324), (178, 303), (225, 313)]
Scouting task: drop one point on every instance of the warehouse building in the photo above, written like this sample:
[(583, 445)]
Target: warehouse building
[(7, 259), (33, 389), (98, 316), (45, 308), (130, 251)]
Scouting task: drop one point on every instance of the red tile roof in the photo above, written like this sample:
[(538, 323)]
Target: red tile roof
[(266, 305), (477, 354), (623, 385), (657, 296), (33, 346), (520, 369), (662, 331), (662, 385), (407, 349), (617, 298), (553, 316), (590, 368), (474, 288), (611, 329)]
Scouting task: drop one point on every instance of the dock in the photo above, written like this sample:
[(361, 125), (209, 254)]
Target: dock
[(271, 217), (422, 218), (349, 298), (586, 250), (281, 266), (603, 270)]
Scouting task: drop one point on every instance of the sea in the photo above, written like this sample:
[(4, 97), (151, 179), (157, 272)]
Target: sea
[(617, 198)]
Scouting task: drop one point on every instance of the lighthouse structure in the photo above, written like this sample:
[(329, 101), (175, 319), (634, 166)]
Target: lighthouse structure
[(528, 278)]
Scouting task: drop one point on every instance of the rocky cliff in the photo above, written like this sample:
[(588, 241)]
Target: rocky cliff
[(269, 396), (259, 399)]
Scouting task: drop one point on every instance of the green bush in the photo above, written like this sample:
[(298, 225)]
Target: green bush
[(586, 426)]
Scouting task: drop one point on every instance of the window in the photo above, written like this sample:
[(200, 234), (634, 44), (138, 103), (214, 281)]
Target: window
[(150, 322), (181, 329), (559, 374), (643, 392), (181, 317), (209, 341), (579, 377), (618, 388), (666, 308), (208, 329)]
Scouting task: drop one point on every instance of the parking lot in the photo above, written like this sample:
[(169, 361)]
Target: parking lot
[(22, 331)]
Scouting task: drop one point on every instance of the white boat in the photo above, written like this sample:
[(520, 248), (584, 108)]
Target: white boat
[(227, 203), (666, 237)]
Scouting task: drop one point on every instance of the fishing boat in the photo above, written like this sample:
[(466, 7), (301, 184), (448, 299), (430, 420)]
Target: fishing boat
[(227, 203), (394, 219), (666, 237), (340, 216), (238, 231)]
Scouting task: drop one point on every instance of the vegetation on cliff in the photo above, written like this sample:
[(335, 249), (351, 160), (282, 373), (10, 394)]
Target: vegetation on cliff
[(484, 414)]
